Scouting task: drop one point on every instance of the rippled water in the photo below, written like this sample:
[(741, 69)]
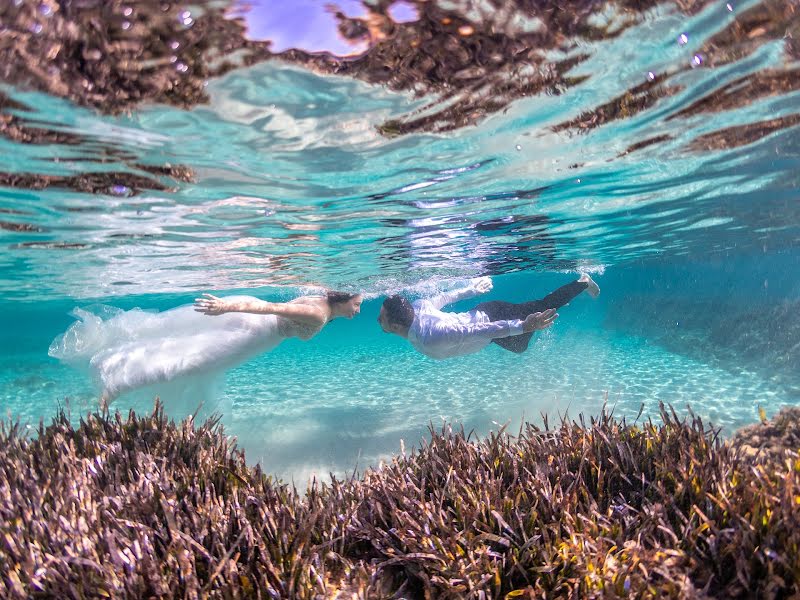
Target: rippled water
[(662, 164)]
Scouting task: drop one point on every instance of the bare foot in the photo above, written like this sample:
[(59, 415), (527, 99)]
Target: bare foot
[(592, 288)]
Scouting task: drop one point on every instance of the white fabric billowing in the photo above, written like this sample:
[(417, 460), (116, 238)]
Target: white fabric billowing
[(127, 350)]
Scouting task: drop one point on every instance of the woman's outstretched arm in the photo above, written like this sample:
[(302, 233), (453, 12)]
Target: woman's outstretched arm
[(302, 313)]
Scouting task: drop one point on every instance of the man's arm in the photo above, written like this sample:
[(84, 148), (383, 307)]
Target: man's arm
[(488, 331), (481, 285), (496, 329)]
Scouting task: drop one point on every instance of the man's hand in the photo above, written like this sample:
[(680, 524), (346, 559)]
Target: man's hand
[(211, 305), (482, 284), (539, 320)]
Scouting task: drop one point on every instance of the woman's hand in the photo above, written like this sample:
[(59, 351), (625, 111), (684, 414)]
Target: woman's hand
[(211, 305)]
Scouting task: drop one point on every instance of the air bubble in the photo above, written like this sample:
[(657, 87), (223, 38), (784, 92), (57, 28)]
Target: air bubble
[(683, 39)]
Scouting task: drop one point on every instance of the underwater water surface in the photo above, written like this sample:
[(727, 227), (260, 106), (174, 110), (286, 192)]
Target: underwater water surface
[(665, 162)]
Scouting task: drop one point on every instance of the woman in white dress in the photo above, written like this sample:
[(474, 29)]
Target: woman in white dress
[(130, 350)]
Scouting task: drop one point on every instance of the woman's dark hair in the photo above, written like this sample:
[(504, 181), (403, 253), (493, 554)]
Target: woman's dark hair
[(335, 297), (398, 311)]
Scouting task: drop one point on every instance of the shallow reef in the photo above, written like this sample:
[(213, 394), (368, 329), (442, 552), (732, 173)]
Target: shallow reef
[(141, 506)]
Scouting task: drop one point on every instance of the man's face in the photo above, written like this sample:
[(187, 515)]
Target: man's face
[(383, 322)]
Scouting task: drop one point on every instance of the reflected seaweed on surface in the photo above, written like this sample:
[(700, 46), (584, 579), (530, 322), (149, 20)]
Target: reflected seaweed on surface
[(478, 67), (113, 55), (767, 21), (476, 59), (645, 143), (472, 59), (20, 227), (741, 135), (115, 183), (630, 103), (18, 129), (743, 91)]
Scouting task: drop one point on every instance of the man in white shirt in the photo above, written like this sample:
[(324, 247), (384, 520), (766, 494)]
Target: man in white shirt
[(441, 335)]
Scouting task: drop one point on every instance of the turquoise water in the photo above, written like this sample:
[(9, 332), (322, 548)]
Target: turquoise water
[(695, 251)]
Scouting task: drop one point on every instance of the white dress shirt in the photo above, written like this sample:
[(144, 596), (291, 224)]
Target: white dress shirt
[(440, 335)]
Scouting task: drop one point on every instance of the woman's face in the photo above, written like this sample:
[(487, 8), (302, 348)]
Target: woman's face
[(352, 307)]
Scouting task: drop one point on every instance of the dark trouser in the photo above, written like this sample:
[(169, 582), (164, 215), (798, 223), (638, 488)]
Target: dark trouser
[(497, 310)]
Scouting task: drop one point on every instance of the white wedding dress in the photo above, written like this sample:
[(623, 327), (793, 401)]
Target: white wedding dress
[(179, 354)]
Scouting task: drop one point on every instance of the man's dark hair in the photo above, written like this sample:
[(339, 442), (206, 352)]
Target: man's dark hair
[(398, 311), (335, 297)]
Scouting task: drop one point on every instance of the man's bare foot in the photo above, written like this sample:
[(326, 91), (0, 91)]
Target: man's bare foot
[(591, 287)]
